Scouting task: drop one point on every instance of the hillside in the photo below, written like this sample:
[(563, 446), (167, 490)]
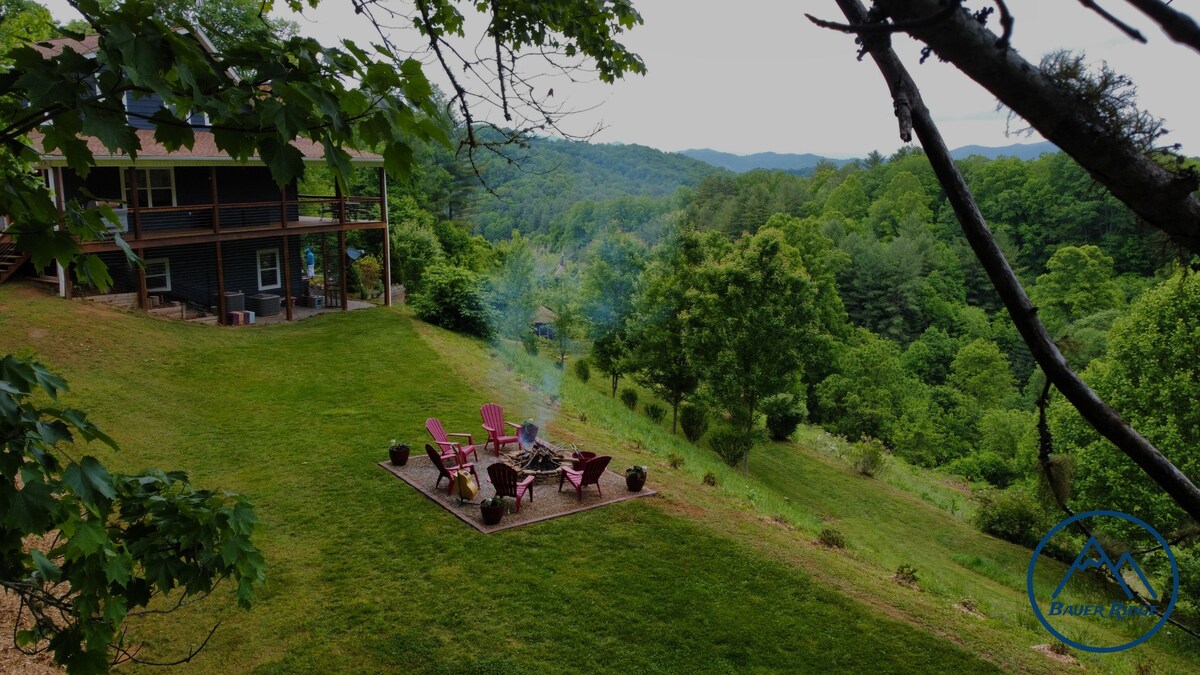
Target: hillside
[(545, 180), (365, 574), (794, 163), (804, 162)]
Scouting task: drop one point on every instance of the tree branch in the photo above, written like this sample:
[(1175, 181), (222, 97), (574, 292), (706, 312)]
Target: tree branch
[(1130, 31), (1178, 26), (1024, 315), (1164, 199)]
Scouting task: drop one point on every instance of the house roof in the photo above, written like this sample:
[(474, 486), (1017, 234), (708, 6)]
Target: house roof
[(48, 48), (544, 315), (203, 152)]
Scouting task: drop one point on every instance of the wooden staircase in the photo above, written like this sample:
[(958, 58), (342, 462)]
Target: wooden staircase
[(11, 259)]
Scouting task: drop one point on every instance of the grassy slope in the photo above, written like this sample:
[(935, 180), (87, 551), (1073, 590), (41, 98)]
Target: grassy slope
[(365, 574)]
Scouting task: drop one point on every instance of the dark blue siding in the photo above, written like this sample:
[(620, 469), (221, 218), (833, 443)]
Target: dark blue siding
[(141, 104)]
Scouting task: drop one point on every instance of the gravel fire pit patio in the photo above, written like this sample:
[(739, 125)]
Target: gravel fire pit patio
[(547, 501)]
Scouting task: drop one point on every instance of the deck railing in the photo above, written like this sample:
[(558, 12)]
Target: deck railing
[(305, 210)]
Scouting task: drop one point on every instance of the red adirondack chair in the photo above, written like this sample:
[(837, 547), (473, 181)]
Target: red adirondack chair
[(580, 458), (448, 472), (493, 423), (590, 475), (447, 446), (508, 483)]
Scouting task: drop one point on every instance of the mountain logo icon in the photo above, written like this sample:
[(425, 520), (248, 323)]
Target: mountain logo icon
[(1144, 606)]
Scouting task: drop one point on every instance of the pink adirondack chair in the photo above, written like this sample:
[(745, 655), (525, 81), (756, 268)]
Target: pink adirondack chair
[(590, 475), (448, 472), (447, 446), (580, 458), (493, 424), (508, 483)]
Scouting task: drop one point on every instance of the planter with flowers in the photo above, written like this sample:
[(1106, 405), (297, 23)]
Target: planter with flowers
[(635, 478), (398, 453)]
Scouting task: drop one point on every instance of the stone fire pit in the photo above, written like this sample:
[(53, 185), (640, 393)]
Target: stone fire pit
[(542, 460)]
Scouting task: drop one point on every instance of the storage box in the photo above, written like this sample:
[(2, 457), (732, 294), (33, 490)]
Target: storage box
[(237, 318), (250, 317)]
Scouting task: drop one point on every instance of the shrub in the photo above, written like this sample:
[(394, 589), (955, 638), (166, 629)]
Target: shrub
[(675, 460), (1012, 514), (784, 413), (985, 465), (629, 398), (730, 444), (452, 297), (370, 271), (831, 538), (710, 479), (869, 456), (694, 421), (656, 412), (582, 370), (906, 574), (530, 342)]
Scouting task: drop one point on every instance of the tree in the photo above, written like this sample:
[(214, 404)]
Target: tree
[(110, 544), (869, 392), (512, 288), (452, 297), (1092, 118), (666, 293), (981, 373), (22, 21), (1078, 283), (752, 321), (609, 285)]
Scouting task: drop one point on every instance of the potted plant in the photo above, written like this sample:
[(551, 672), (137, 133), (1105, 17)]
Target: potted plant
[(635, 478), (492, 509), (398, 453), (528, 433)]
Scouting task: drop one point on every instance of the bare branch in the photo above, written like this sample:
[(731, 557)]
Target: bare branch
[(1024, 315), (1133, 33), (1178, 26)]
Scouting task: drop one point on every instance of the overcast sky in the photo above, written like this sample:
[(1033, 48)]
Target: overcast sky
[(756, 76)]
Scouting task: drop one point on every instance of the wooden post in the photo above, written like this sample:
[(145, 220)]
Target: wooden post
[(221, 308), (324, 267), (287, 278), (283, 216), (387, 240), (341, 199), (136, 211), (216, 209), (344, 263)]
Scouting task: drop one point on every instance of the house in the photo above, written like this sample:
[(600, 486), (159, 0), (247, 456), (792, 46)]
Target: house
[(544, 321), (214, 233)]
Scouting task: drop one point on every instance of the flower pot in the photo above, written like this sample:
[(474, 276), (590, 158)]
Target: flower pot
[(492, 514), (398, 454), (635, 481)]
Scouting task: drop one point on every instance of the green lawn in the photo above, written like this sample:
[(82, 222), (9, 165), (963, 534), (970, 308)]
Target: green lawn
[(365, 574)]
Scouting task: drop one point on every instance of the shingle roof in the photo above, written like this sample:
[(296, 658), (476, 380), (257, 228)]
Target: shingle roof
[(203, 151), (87, 45)]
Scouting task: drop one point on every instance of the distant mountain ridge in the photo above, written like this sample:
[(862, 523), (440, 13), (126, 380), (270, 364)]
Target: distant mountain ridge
[(804, 162), (1084, 562)]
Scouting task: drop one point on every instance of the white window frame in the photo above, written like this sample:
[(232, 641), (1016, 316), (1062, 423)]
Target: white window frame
[(144, 188), (278, 268), (166, 272)]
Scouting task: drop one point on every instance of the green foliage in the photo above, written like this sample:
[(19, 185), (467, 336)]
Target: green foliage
[(1149, 375), (582, 370), (693, 419), (511, 287), (831, 537), (869, 392), (529, 342), (906, 574), (731, 445), (929, 357), (370, 271), (629, 397), (1079, 282), (452, 297), (784, 413), (1013, 514), (656, 412), (710, 479), (117, 542), (752, 322), (674, 460), (981, 373), (869, 456), (414, 249)]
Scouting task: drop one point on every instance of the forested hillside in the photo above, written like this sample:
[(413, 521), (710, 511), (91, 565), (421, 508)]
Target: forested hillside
[(551, 177), (848, 298)]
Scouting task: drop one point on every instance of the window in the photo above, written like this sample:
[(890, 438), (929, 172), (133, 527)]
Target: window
[(268, 269), (158, 274), (156, 187)]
